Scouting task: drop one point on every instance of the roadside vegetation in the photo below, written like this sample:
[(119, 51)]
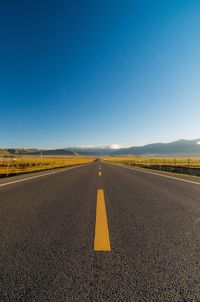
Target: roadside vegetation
[(26, 164), (146, 161), (183, 165)]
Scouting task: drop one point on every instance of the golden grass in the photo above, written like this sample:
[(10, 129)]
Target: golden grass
[(192, 162), (27, 164)]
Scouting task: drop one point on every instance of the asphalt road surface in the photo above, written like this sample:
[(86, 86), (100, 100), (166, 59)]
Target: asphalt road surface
[(151, 236)]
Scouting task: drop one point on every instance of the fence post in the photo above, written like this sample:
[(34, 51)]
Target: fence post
[(174, 162), (7, 169), (188, 163)]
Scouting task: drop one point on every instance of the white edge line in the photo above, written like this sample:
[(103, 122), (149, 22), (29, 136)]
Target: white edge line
[(161, 175), (37, 176)]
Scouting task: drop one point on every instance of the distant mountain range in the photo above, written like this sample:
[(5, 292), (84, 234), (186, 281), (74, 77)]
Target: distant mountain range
[(92, 150), (177, 148), (15, 151)]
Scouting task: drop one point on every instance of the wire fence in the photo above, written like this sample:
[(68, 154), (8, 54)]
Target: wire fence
[(183, 165), (190, 162)]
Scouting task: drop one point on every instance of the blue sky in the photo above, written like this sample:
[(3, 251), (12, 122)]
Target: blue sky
[(99, 72)]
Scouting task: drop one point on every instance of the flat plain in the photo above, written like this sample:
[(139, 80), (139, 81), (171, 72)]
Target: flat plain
[(26, 164)]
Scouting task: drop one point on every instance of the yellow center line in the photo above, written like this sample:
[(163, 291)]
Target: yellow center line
[(101, 239), (100, 173)]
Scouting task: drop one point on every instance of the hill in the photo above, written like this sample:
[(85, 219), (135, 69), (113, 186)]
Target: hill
[(53, 152), (177, 148)]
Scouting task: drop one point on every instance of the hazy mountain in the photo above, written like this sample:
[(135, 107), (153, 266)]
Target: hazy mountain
[(15, 151), (177, 148), (104, 150), (3, 152), (53, 152)]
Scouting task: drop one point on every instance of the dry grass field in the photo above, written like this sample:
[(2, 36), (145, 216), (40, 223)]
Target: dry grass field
[(192, 162), (25, 164)]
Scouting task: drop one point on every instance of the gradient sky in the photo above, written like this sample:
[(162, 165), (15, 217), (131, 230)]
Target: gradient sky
[(99, 72)]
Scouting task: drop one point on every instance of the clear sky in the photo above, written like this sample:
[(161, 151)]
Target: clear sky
[(99, 72)]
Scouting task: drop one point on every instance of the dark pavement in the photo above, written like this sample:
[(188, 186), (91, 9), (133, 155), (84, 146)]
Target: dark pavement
[(47, 234)]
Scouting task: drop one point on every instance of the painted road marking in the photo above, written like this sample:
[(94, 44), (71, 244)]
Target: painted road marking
[(100, 173), (101, 240), (161, 175), (41, 175)]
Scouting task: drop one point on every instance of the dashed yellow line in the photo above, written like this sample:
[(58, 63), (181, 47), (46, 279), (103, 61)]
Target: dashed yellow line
[(101, 239), (100, 173)]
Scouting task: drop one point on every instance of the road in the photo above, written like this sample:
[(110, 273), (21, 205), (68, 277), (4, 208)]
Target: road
[(151, 225)]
